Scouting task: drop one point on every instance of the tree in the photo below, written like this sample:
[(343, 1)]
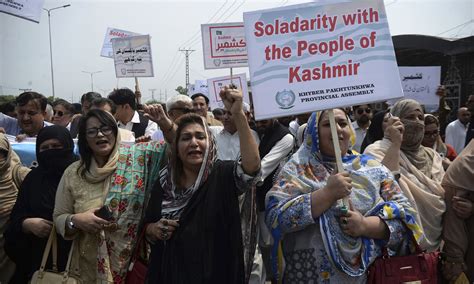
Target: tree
[(7, 99), (182, 90)]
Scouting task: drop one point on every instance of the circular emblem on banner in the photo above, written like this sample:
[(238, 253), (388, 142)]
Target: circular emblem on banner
[(217, 62), (286, 99), (123, 71)]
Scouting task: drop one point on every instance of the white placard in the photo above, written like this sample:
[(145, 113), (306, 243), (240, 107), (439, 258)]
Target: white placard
[(200, 86), (310, 57), (224, 45), (26, 9), (111, 33), (132, 56), (215, 85), (420, 83), (190, 89)]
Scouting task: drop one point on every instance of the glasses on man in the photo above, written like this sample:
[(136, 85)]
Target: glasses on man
[(94, 131), (431, 133), (362, 110), (59, 113)]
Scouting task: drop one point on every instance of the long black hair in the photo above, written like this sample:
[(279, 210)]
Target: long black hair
[(86, 152)]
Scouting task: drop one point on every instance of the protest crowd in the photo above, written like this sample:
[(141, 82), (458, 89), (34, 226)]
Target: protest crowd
[(301, 186), (173, 186)]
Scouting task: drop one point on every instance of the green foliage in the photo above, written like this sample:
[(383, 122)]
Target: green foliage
[(6, 99), (150, 102), (182, 90)]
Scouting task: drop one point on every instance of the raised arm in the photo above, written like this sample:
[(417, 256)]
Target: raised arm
[(233, 99), (157, 114)]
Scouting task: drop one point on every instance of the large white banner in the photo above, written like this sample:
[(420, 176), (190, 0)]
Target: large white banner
[(111, 33), (26, 9), (216, 84), (312, 56), (420, 83), (132, 56), (224, 45)]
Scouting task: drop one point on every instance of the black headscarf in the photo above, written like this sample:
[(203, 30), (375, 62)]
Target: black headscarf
[(53, 162), (375, 131), (36, 200)]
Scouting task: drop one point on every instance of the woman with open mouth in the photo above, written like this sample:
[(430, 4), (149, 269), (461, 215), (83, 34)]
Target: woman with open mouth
[(193, 218)]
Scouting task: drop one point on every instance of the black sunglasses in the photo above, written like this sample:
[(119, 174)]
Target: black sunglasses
[(59, 113), (362, 110)]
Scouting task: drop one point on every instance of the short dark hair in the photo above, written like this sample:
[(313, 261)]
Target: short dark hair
[(218, 111), (200, 95), (84, 149), (124, 96), (90, 96), (38, 99), (100, 102), (67, 105), (77, 108), (8, 107)]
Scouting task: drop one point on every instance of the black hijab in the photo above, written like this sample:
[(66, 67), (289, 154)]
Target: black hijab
[(53, 162), (36, 200), (375, 131)]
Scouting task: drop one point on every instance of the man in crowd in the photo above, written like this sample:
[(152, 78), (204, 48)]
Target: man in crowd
[(127, 115), (362, 118), (218, 114), (31, 110), (456, 130), (470, 129), (276, 142), (227, 138), (86, 101), (176, 106), (299, 120), (201, 106)]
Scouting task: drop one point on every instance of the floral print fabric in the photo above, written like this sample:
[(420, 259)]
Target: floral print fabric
[(335, 255), (137, 169)]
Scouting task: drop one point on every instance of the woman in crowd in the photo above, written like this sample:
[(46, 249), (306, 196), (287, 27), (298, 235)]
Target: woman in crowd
[(63, 111), (12, 174), (420, 168), (376, 129), (321, 240), (433, 140), (101, 198), (32, 216), (458, 229), (193, 218)]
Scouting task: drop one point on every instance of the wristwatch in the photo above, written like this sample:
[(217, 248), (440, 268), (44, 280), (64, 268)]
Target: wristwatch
[(70, 223)]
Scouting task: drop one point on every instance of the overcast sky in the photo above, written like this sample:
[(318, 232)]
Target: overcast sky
[(78, 33)]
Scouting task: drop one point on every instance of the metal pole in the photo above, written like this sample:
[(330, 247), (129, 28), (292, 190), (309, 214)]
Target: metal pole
[(51, 52), (92, 82), (51, 44)]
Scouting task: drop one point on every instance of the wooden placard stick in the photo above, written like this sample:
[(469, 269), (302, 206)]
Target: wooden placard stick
[(337, 153)]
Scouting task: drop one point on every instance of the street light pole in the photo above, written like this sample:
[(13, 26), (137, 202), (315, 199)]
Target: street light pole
[(50, 41), (92, 78)]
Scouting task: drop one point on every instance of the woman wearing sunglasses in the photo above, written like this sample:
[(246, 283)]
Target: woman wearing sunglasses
[(63, 112)]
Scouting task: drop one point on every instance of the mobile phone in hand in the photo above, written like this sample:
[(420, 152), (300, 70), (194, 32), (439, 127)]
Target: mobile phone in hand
[(104, 213)]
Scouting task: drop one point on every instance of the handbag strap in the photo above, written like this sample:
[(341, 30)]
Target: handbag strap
[(139, 244), (47, 249), (69, 259)]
